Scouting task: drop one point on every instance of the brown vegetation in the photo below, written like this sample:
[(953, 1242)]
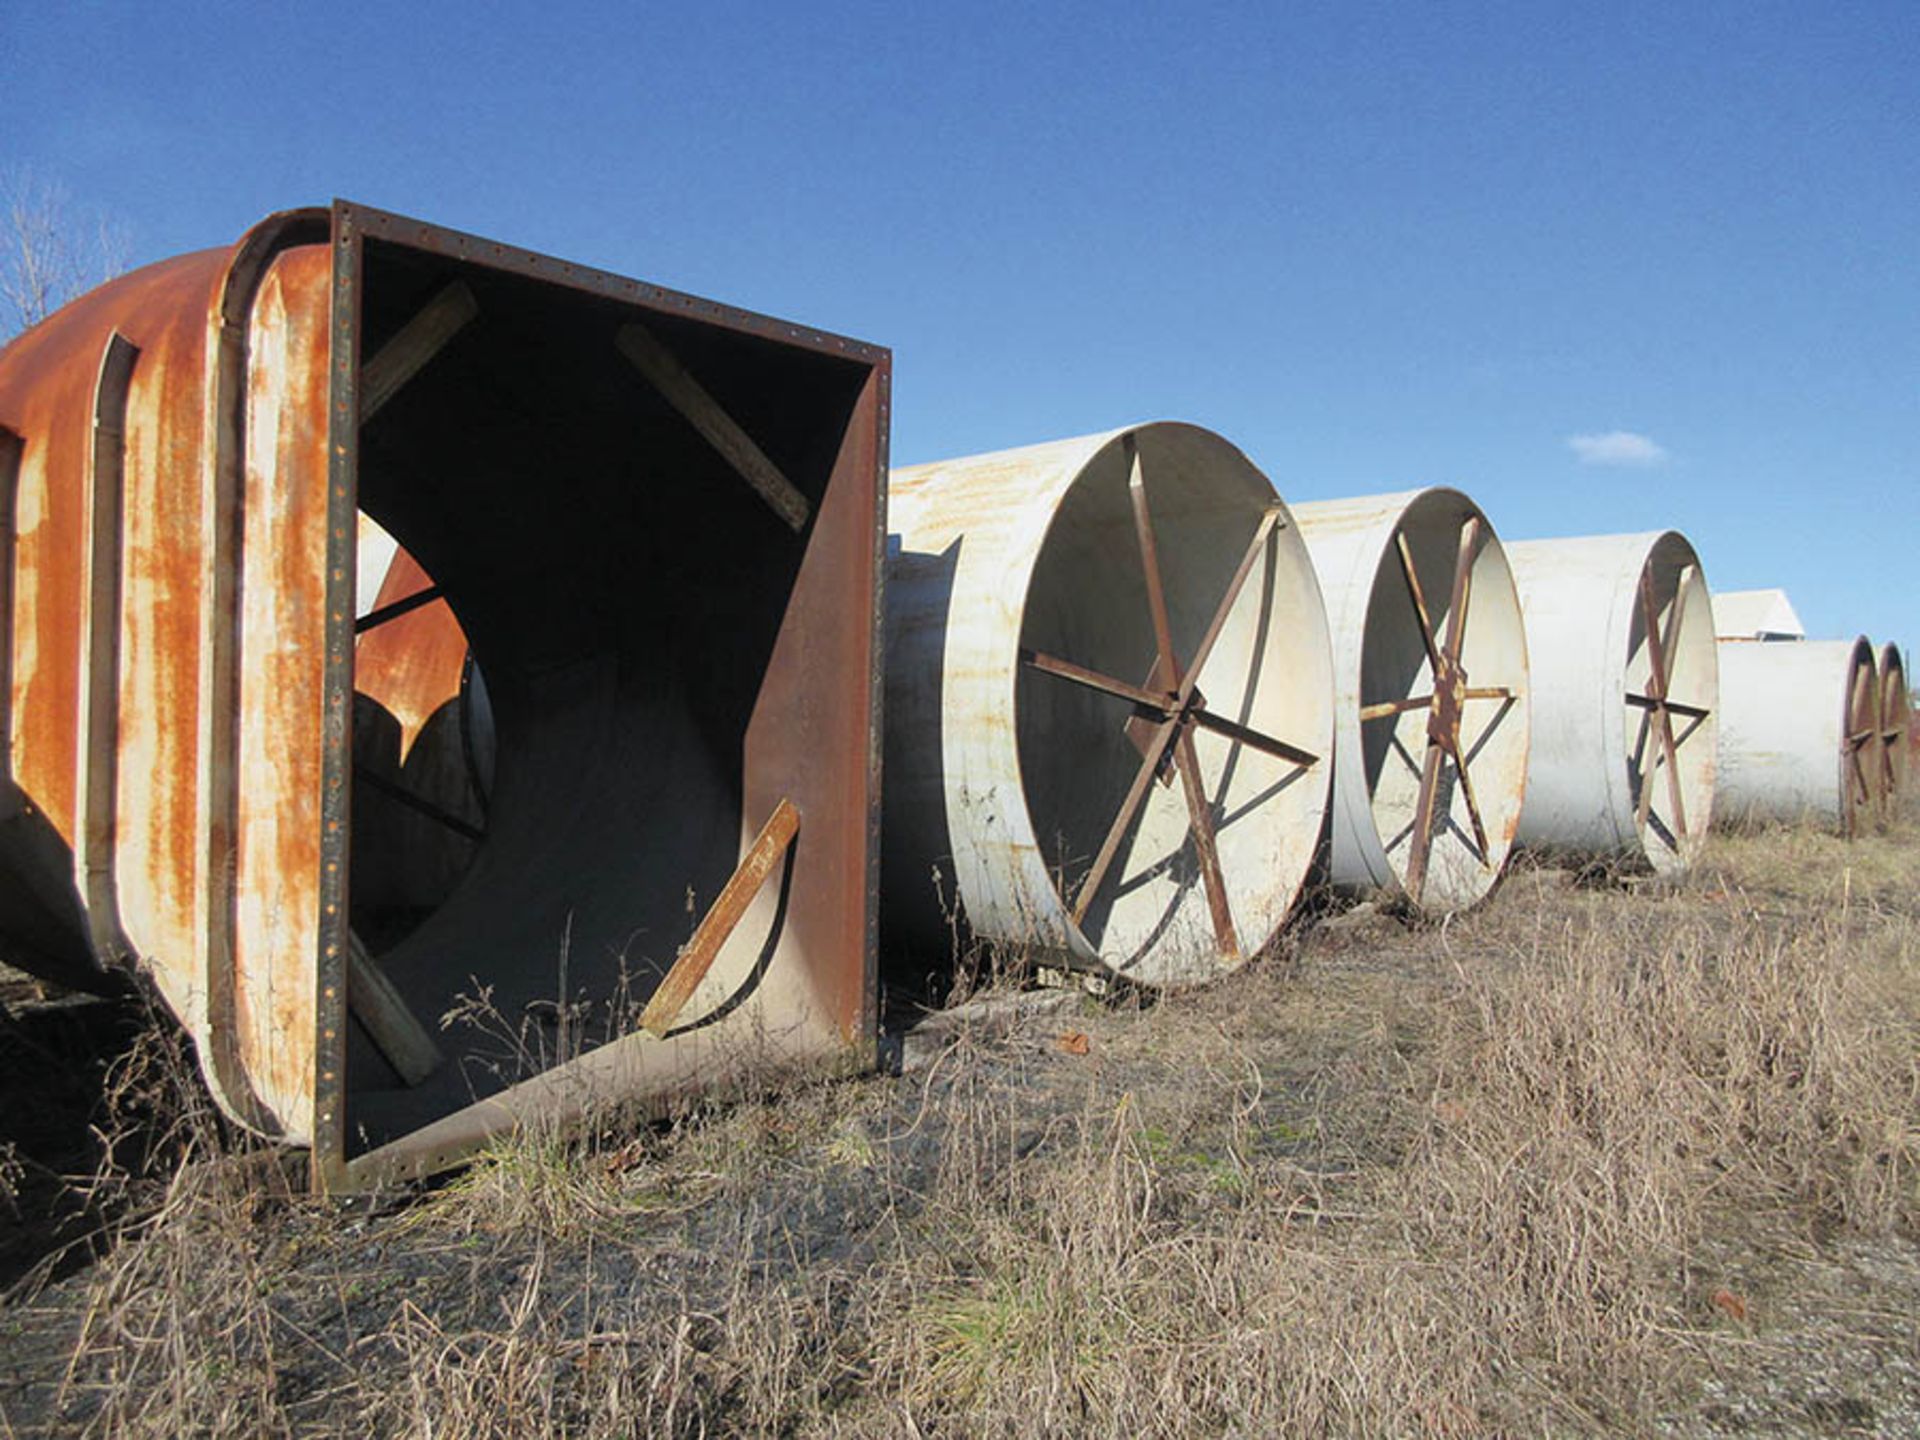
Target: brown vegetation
[(1570, 1164)]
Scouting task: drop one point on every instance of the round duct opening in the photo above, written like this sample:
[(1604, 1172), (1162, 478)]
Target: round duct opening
[(1431, 705), (1108, 704)]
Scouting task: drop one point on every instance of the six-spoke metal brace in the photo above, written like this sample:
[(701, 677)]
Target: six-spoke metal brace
[(1167, 708), (1892, 737), (1659, 708), (1446, 707), (1863, 733)]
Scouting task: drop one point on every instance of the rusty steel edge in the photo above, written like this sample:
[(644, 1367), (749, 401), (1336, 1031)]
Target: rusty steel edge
[(372, 224), (868, 1045), (406, 1161), (329, 1160)]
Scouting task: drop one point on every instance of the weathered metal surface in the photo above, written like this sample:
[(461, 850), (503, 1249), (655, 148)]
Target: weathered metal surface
[(1799, 732), (1625, 694), (1069, 624), (1431, 697), (1896, 719), (186, 462)]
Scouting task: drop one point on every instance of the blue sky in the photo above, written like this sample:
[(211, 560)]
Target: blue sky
[(1375, 246)]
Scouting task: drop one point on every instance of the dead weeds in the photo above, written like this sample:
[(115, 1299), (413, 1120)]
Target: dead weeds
[(1525, 1173)]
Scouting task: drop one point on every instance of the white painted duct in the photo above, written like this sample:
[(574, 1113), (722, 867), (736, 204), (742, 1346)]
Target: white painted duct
[(1625, 690), (1066, 789), (1796, 723), (1428, 777)]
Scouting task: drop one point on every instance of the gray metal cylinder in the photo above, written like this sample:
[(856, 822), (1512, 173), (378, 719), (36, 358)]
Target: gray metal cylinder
[(1020, 615), (1428, 778), (1797, 719), (1625, 698)]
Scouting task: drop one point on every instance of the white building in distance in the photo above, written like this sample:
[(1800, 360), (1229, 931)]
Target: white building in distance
[(1755, 615)]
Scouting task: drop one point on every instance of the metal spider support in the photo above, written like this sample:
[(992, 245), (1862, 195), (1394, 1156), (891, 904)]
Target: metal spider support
[(1445, 704), (1167, 709), (1660, 707)]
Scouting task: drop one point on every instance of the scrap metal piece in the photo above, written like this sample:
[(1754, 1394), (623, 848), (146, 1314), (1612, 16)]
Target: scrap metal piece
[(663, 368), (377, 1004), (408, 352)]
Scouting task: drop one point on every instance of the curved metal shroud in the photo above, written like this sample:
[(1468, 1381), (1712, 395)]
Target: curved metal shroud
[(661, 523), (1799, 732), (1625, 698)]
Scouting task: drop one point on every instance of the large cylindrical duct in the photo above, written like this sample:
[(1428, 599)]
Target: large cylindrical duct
[(1107, 704), (659, 523), (1799, 732), (1896, 721), (1430, 694), (1625, 693)]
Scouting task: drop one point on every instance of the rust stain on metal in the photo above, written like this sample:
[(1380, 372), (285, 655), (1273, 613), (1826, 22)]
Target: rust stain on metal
[(279, 752), (47, 394)]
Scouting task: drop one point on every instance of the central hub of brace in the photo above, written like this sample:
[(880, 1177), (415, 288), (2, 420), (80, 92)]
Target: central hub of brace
[(1143, 722), (1183, 719), (1449, 704)]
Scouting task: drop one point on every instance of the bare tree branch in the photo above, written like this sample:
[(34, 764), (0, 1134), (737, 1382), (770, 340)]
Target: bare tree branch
[(47, 255)]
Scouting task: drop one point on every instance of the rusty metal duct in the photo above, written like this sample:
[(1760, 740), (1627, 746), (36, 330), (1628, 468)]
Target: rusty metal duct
[(1799, 733), (1107, 691), (1896, 718), (1431, 694), (659, 523), (1625, 690)]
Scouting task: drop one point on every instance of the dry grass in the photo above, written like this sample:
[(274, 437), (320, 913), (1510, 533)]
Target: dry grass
[(1467, 1180)]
